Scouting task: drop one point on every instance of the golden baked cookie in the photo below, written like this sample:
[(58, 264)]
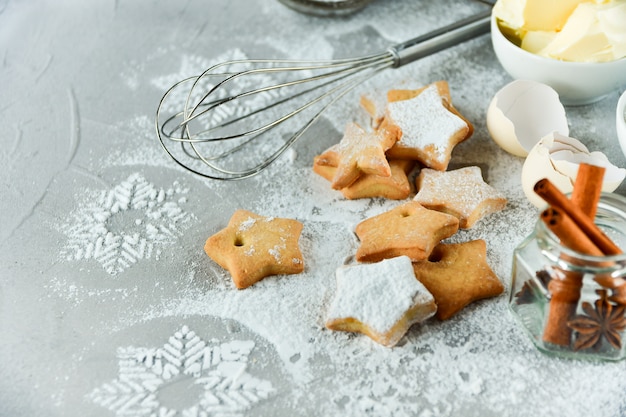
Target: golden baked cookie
[(409, 229), (457, 275), (394, 187), (381, 300), (361, 152), (462, 193), (325, 164), (253, 247), (427, 129), (374, 104)]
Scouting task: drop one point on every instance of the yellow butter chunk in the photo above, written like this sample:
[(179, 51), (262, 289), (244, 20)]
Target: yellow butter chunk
[(535, 15), (585, 38), (567, 30), (613, 23), (536, 41)]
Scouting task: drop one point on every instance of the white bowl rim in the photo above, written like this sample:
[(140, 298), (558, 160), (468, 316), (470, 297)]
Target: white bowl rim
[(620, 114)]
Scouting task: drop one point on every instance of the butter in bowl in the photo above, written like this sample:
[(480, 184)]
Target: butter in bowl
[(577, 47)]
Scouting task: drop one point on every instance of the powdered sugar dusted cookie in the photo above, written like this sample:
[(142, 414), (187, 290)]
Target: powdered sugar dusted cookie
[(374, 103), (444, 91), (381, 300), (427, 128), (361, 152), (253, 247), (462, 193), (394, 187), (457, 275), (409, 229), (325, 164)]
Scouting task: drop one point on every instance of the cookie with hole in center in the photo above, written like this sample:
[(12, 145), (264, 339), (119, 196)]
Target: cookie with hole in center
[(253, 247), (458, 274), (409, 229), (461, 192)]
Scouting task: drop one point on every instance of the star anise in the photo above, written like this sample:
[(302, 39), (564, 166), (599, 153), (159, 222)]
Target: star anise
[(605, 320), (526, 295), (617, 287), (544, 276)]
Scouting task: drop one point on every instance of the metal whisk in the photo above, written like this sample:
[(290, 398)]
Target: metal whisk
[(228, 106)]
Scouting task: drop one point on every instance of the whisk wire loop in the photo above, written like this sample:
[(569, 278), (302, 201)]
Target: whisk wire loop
[(340, 69), (334, 94)]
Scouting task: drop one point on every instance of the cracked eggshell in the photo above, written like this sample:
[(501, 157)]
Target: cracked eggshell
[(522, 113), (557, 158)]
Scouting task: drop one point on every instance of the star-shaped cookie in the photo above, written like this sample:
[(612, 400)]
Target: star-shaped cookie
[(462, 193), (253, 247), (325, 164), (374, 104), (427, 128), (409, 229), (394, 187), (444, 91), (381, 300), (361, 152), (456, 275)]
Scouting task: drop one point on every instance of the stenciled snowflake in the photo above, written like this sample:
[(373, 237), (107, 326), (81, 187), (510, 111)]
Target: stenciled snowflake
[(193, 66), (126, 224), (217, 372)]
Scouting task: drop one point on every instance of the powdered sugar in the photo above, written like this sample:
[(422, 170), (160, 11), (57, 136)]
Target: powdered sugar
[(426, 123), (219, 371), (277, 250), (100, 228), (379, 294), (461, 192), (438, 368), (77, 343), (246, 224)]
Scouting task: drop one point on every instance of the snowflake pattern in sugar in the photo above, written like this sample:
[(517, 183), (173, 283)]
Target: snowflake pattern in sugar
[(193, 66), (218, 370), (127, 223)]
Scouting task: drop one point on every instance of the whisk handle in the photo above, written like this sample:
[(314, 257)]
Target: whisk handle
[(440, 39)]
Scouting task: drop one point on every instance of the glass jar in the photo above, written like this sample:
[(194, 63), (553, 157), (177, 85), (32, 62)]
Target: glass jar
[(570, 304), (326, 7)]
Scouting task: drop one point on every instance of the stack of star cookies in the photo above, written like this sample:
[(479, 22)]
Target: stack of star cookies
[(450, 275), (404, 271), (408, 128), (411, 128)]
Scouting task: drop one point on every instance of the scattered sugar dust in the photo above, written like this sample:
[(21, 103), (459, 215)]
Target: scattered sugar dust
[(479, 360), (451, 367)]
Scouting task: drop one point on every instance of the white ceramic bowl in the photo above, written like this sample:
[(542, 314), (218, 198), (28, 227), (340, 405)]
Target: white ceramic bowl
[(576, 82), (620, 122)]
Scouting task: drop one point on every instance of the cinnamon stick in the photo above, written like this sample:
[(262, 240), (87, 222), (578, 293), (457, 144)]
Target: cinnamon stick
[(588, 188), (565, 290), (553, 196), (586, 195), (570, 234)]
